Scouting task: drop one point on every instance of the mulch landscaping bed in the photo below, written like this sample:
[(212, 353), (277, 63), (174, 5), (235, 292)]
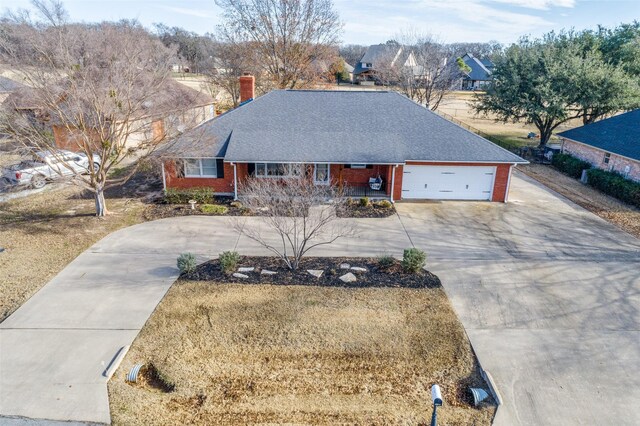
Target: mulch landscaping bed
[(370, 211), (394, 276), (161, 210)]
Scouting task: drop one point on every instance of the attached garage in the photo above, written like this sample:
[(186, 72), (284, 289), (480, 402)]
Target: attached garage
[(448, 182)]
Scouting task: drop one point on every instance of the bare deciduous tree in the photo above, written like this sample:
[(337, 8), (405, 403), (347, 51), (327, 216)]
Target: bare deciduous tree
[(287, 35), (98, 88), (431, 74), (297, 216)]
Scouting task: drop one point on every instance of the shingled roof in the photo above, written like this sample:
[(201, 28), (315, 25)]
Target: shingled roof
[(618, 135), (337, 127), (480, 68)]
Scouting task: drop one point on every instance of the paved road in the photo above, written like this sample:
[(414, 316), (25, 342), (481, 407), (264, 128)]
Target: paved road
[(548, 294)]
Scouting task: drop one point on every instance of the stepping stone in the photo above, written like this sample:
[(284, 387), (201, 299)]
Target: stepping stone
[(348, 278), (345, 266), (239, 275), (267, 272), (358, 269), (246, 269), (315, 272)]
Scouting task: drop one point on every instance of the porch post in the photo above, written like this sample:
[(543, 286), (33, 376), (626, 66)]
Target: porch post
[(235, 182), (393, 180)]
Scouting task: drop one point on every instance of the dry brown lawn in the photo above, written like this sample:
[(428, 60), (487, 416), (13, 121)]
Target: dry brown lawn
[(43, 232), (511, 135), (263, 354)]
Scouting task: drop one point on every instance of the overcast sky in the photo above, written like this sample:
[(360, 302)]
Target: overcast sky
[(375, 21)]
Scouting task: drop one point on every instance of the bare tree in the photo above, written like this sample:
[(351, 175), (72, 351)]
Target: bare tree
[(96, 89), (287, 35), (230, 61), (352, 53), (431, 72), (299, 213)]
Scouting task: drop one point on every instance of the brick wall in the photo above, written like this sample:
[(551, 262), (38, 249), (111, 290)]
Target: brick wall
[(595, 156), (500, 185), (219, 185)]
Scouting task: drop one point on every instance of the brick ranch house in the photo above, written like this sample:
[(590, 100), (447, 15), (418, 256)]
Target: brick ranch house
[(173, 106), (346, 138), (612, 144)]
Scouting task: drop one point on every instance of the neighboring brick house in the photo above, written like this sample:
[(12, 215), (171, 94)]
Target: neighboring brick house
[(174, 106), (612, 144), (341, 138)]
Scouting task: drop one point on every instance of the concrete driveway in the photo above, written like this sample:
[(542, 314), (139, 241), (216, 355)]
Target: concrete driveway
[(548, 293), (550, 297)]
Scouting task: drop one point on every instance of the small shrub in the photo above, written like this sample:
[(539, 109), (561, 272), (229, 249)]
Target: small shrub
[(229, 261), (413, 260), (182, 196), (384, 204), (213, 209), (187, 263), (364, 201), (615, 185), (386, 262), (569, 165), (236, 204)]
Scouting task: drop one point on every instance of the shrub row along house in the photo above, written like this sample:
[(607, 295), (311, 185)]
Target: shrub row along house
[(373, 143), (612, 144)]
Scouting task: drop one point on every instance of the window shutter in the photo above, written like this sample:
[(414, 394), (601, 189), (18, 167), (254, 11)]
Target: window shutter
[(369, 166), (179, 165), (347, 166), (220, 167), (251, 169)]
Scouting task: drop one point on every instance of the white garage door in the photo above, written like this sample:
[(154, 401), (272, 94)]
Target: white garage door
[(448, 182)]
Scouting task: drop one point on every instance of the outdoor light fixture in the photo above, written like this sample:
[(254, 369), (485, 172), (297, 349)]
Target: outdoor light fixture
[(436, 397)]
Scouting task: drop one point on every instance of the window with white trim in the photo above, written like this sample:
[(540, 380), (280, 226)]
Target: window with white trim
[(321, 174), (607, 157), (200, 167), (277, 170)]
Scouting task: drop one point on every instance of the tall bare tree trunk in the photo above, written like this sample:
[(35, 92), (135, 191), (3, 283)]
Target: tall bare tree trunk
[(101, 205)]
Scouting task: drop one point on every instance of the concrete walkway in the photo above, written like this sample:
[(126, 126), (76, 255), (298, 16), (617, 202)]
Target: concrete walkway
[(55, 348), (549, 295)]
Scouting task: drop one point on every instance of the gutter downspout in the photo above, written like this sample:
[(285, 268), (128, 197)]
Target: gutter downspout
[(506, 195), (393, 180), (235, 182)]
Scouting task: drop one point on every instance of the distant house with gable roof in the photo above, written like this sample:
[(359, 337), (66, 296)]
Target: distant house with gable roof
[(480, 75)]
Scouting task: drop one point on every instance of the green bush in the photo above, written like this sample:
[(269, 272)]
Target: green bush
[(615, 185), (386, 262), (413, 260), (187, 263), (213, 209), (364, 201), (183, 196), (229, 261), (569, 165), (384, 204)]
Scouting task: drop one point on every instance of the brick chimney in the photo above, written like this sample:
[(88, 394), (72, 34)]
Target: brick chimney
[(247, 87)]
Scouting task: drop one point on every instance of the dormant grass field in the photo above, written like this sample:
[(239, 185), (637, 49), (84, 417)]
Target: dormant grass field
[(264, 354)]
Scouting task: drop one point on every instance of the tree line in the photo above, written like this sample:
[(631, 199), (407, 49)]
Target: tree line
[(564, 76)]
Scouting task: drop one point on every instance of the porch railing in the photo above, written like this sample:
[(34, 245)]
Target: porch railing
[(364, 190)]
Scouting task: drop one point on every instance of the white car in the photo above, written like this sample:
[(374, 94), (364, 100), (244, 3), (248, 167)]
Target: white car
[(47, 166)]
